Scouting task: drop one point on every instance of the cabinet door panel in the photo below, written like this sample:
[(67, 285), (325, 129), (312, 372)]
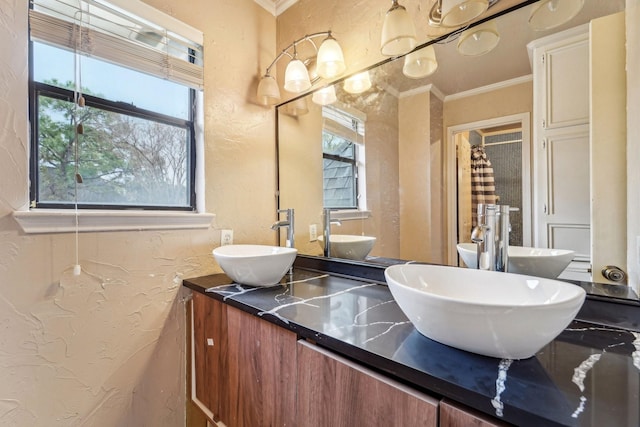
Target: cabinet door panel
[(333, 391), (567, 83), (454, 415), (262, 372), (210, 361)]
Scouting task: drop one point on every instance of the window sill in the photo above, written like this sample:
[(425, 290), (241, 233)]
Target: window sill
[(349, 214), (64, 221)]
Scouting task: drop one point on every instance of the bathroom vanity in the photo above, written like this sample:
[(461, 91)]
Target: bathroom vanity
[(331, 348)]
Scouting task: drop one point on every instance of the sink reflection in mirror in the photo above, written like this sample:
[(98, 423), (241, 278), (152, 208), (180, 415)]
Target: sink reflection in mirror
[(349, 246), (542, 262)]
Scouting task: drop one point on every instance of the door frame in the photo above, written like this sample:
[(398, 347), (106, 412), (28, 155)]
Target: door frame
[(524, 119)]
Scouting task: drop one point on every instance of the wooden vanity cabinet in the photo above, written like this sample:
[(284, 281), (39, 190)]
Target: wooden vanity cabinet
[(209, 359), (455, 415), (245, 368), (262, 372), (333, 391), (250, 372)]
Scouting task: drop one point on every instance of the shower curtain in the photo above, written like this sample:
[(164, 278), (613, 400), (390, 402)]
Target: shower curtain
[(483, 187)]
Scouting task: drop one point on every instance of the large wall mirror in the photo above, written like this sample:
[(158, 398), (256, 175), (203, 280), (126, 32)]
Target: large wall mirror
[(391, 153)]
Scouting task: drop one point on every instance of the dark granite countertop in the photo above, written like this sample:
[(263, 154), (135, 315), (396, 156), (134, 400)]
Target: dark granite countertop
[(588, 376)]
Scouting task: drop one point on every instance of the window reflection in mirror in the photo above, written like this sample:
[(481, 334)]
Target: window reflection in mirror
[(343, 154)]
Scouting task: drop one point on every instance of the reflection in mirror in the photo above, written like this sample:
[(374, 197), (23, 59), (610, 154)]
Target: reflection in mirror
[(384, 154)]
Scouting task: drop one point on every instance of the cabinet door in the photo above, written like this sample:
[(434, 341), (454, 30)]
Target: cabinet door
[(333, 391), (564, 216), (261, 373), (209, 355), (565, 67), (454, 415)]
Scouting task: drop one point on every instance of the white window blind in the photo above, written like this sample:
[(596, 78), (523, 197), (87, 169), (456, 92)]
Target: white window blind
[(344, 124), (124, 32)]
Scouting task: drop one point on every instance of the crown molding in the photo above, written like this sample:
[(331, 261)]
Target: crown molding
[(489, 88), (426, 88), (276, 7)]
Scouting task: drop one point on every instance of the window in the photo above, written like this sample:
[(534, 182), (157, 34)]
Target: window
[(112, 107), (339, 172), (343, 160)]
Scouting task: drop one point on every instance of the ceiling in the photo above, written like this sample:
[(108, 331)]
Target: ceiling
[(509, 60)]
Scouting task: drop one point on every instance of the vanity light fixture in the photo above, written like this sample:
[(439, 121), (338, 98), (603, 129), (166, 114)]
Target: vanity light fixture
[(460, 12), (553, 13), (296, 76), (358, 83), (268, 90), (325, 96), (299, 107), (330, 58), (398, 31), (328, 61), (455, 13), (479, 40), (421, 63)]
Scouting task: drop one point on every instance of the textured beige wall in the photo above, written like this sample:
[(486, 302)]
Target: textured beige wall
[(107, 348), (498, 103), (300, 156), (439, 244), (415, 177), (383, 198)]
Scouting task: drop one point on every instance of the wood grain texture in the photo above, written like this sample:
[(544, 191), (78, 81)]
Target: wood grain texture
[(333, 391), (262, 372), (210, 323), (194, 417), (456, 415)]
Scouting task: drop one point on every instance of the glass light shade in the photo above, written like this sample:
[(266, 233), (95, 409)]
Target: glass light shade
[(398, 32), (358, 83), (324, 96), (460, 12), (420, 63), (479, 40), (553, 13), (268, 90), (298, 107), (330, 62), (296, 77)]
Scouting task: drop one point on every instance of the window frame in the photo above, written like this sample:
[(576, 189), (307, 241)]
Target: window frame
[(38, 88), (354, 169)]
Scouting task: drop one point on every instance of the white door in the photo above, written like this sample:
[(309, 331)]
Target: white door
[(561, 147)]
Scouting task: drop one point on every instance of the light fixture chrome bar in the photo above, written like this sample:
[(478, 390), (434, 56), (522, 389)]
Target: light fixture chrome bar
[(307, 37)]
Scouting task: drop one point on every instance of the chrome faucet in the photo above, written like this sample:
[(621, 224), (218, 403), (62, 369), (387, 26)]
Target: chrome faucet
[(289, 223), (491, 236), (326, 230)]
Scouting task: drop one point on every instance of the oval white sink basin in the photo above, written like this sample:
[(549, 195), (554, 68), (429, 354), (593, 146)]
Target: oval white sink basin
[(541, 262), (349, 246), (491, 313), (255, 265)]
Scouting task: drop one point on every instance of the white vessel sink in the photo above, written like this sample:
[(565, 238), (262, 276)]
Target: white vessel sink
[(349, 246), (491, 313), (542, 262), (255, 265)]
